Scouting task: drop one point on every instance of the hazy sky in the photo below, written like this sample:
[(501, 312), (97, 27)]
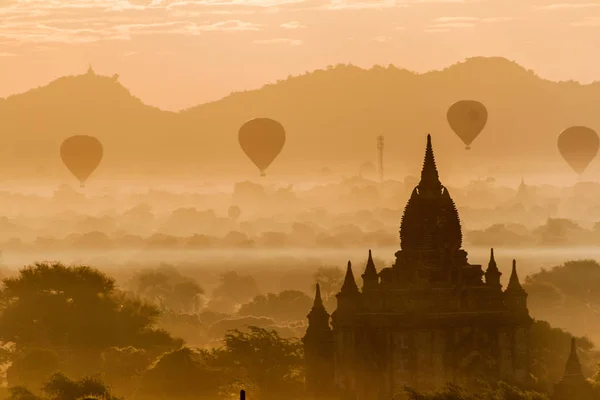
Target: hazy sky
[(178, 53)]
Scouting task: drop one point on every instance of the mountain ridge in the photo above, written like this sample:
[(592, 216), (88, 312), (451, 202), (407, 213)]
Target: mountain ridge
[(320, 110), (467, 63)]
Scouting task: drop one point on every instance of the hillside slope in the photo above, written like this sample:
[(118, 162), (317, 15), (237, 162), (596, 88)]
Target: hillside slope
[(331, 116)]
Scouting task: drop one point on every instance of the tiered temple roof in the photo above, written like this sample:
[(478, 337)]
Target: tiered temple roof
[(430, 218)]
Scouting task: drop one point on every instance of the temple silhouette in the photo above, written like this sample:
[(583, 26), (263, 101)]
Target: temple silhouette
[(429, 319), (573, 385)]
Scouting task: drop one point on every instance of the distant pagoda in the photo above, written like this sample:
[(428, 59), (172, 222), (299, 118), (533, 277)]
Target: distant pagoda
[(573, 385)]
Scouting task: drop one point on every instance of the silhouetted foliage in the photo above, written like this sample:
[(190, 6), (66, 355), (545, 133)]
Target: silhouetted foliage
[(32, 368), (59, 387), (549, 349), (234, 213), (485, 391), (235, 286), (169, 290), (284, 306), (21, 393), (123, 367), (183, 373), (568, 295), (262, 359), (74, 311)]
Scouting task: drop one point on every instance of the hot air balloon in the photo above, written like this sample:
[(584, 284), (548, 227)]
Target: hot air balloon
[(467, 118), (262, 140), (578, 145), (81, 154)]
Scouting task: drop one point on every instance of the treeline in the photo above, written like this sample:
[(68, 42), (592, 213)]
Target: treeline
[(76, 322), (555, 232), (271, 216)]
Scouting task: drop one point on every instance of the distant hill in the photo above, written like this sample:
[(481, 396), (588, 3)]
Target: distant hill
[(332, 117)]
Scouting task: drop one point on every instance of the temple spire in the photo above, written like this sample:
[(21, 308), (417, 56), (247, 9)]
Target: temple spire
[(573, 367), (430, 221), (573, 384), (522, 190), (370, 269), (370, 276), (318, 348), (318, 317), (318, 303), (429, 174), (513, 283), (515, 297), (492, 274), (349, 286)]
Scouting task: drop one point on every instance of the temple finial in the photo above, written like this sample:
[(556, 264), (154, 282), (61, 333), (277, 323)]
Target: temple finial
[(514, 282), (429, 174), (349, 285), (318, 300), (370, 276), (573, 367), (492, 274), (522, 187)]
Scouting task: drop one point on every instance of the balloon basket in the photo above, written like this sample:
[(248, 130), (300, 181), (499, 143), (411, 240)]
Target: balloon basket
[(263, 174), (468, 148), (82, 185)]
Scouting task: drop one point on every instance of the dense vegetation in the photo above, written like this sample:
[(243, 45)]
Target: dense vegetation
[(70, 332)]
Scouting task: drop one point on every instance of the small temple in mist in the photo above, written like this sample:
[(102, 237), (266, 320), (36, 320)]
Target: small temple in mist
[(429, 319)]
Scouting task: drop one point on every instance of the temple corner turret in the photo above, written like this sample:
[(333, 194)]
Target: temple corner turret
[(318, 351), (370, 276)]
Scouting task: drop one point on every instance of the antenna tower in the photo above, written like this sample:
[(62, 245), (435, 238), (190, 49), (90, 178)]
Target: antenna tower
[(380, 157)]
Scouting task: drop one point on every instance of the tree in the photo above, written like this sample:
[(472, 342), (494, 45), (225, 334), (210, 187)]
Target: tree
[(236, 287), (122, 367), (483, 391), (595, 381), (77, 312), (234, 213), (169, 290), (186, 296), (59, 387), (289, 305), (183, 373), (153, 286), (21, 393), (567, 295), (549, 350), (264, 360), (32, 368)]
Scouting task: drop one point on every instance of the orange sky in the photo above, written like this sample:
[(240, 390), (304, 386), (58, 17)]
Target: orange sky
[(178, 53)]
